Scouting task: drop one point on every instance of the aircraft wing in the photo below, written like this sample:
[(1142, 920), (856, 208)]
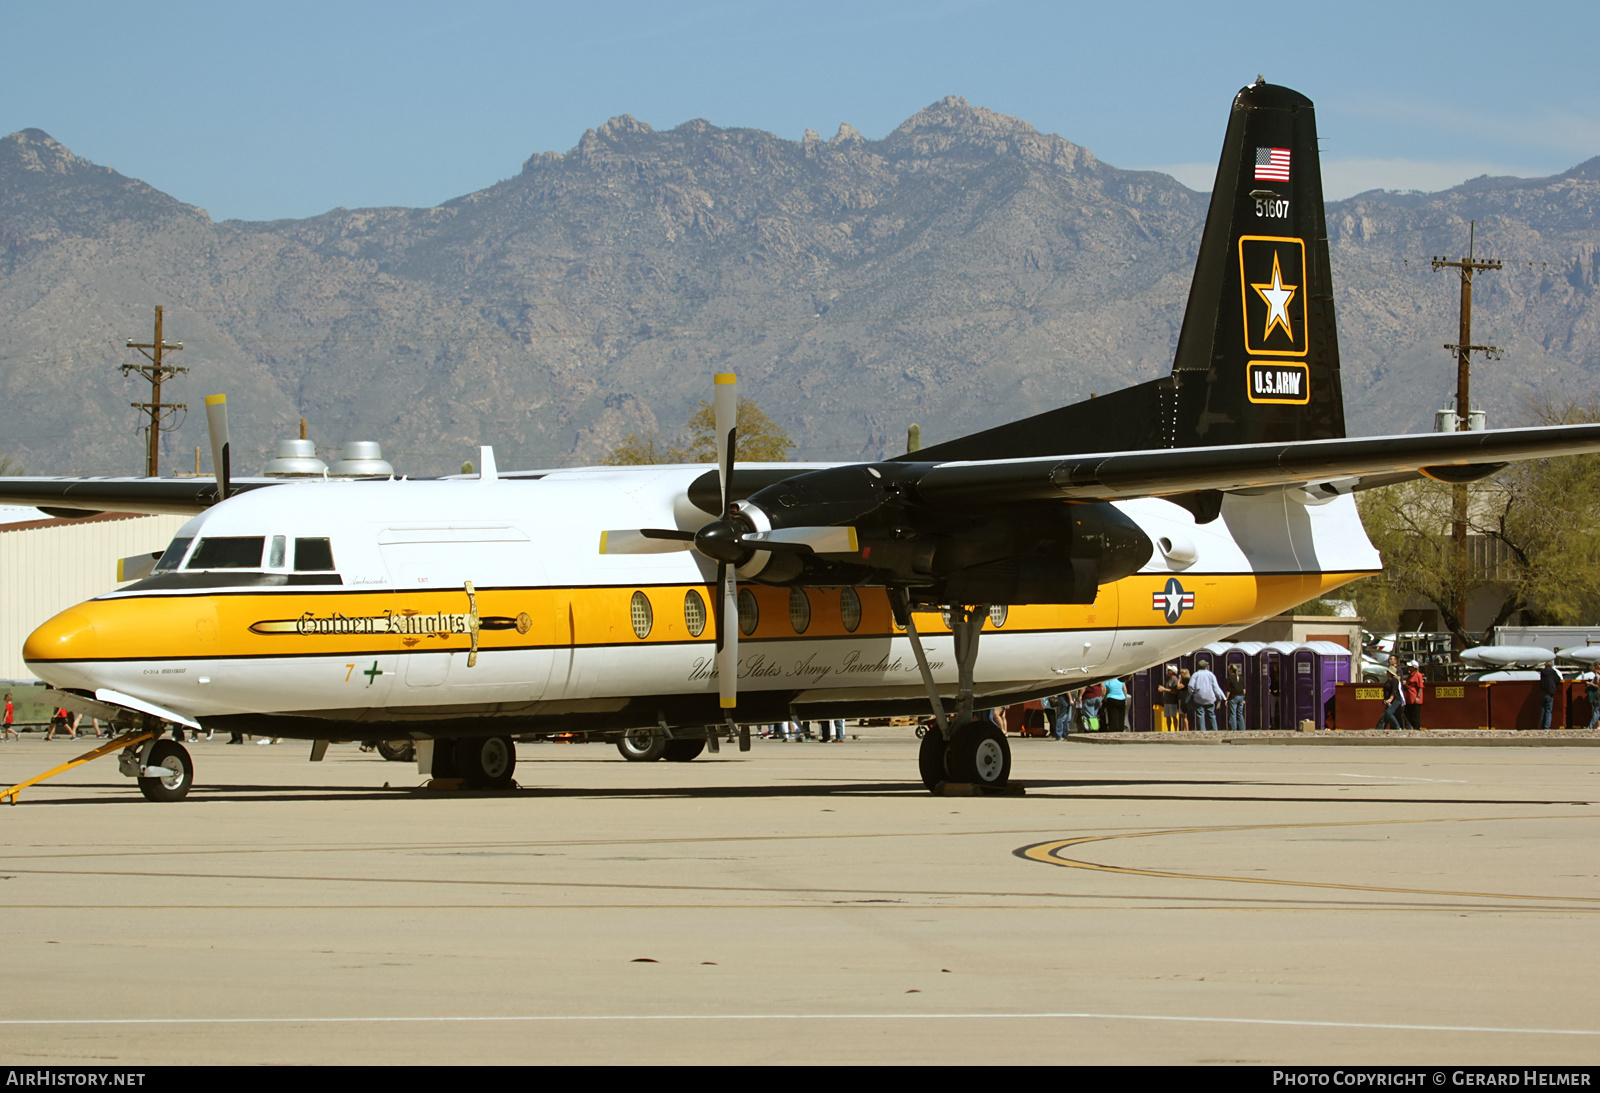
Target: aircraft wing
[(1449, 457), (87, 496)]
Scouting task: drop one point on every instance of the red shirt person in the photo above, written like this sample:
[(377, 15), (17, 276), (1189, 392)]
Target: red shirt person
[(1415, 687)]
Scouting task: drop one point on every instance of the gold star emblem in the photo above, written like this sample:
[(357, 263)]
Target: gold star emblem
[(1277, 296)]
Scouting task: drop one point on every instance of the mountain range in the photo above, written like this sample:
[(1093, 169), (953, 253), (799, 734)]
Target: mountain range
[(963, 271)]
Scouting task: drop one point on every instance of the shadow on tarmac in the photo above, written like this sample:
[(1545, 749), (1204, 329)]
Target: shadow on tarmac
[(1052, 790)]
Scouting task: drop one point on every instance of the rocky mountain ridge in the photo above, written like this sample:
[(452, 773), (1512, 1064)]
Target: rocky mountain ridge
[(962, 271)]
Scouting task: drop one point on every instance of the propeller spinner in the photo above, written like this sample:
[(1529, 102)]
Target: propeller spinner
[(731, 540)]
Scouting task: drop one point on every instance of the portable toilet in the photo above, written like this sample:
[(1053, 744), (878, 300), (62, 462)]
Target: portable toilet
[(1138, 684), (1274, 700), (1318, 666)]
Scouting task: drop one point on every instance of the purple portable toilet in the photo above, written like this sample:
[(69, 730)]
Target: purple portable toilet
[(1329, 665), (1273, 671), (1140, 690)]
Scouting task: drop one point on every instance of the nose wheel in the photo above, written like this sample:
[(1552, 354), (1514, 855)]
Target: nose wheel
[(169, 772)]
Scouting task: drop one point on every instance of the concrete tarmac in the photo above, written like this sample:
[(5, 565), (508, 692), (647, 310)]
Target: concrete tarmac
[(809, 903)]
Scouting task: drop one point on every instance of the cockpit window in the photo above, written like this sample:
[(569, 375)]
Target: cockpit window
[(174, 554), (275, 555), (228, 552), (313, 556)]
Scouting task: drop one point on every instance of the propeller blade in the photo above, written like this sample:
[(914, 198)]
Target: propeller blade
[(137, 567), (819, 540), (727, 636), (725, 409), (644, 541), (217, 426)]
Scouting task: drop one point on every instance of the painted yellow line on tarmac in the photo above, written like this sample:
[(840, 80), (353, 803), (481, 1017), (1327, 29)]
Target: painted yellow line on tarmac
[(1049, 854)]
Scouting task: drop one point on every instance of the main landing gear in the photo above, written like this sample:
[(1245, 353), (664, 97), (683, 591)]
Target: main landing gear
[(648, 745), (964, 749), (481, 762)]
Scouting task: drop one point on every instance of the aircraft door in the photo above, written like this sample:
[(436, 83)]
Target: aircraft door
[(470, 613)]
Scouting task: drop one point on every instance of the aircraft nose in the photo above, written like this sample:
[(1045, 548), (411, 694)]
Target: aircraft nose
[(69, 636)]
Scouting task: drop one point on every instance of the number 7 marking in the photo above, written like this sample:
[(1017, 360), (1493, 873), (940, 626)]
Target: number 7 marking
[(348, 669)]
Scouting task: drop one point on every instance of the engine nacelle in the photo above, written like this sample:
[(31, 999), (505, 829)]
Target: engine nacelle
[(1032, 552)]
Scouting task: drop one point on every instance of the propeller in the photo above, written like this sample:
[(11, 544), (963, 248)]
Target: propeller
[(217, 426), (725, 416), (731, 540)]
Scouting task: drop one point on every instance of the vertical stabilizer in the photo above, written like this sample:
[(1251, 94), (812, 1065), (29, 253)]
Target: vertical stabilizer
[(1258, 358)]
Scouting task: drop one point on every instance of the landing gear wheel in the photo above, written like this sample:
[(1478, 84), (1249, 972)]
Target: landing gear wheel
[(681, 751), (930, 757), (979, 754), (642, 745), (168, 787), (486, 762), (397, 751)]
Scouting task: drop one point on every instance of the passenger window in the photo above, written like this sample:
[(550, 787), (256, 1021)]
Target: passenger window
[(228, 552), (275, 555), (174, 554), (313, 556)]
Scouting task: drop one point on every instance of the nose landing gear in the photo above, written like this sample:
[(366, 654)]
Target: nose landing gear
[(167, 772)]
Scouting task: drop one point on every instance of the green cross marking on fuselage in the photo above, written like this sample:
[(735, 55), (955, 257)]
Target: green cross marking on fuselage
[(372, 674)]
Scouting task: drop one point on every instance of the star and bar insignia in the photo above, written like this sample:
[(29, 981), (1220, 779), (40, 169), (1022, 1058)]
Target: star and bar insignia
[(1172, 601)]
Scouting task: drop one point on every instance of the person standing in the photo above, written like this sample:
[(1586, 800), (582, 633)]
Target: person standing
[(1234, 686), (1169, 692), (1116, 705), (10, 733), (1056, 706), (1206, 692), (1394, 697), (1549, 684), (1591, 691), (1094, 696), (1185, 702), (1415, 687)]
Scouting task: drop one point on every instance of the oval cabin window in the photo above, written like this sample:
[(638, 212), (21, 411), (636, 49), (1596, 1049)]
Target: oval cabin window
[(799, 610), (997, 614), (642, 617), (694, 613), (850, 609), (749, 613)]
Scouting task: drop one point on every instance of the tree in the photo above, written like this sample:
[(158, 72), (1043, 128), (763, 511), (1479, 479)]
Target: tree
[(760, 440), (1533, 532), (9, 465)]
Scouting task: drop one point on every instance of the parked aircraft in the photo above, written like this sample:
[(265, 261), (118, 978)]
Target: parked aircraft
[(1085, 542)]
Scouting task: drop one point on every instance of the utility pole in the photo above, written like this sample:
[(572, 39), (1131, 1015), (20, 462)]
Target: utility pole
[(1464, 350), (156, 372)]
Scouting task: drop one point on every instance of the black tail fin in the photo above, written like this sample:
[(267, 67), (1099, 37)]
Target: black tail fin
[(1258, 357)]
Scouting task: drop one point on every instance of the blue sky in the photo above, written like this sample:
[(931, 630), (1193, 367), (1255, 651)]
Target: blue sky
[(262, 111)]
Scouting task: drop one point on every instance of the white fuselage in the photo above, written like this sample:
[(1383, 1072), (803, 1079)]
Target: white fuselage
[(570, 638)]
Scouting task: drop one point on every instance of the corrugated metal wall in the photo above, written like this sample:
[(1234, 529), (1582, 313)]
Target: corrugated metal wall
[(45, 570)]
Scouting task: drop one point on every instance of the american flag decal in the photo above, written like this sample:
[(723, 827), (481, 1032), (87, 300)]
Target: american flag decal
[(1172, 601), (1272, 164)]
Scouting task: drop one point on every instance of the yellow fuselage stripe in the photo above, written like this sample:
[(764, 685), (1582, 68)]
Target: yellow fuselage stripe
[(338, 622)]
